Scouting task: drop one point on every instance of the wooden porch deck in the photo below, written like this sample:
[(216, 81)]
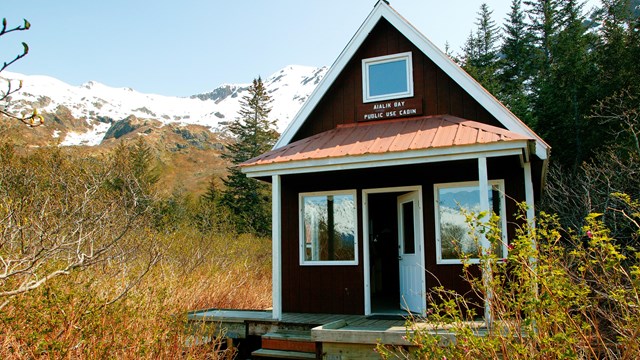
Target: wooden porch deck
[(242, 323), (334, 333)]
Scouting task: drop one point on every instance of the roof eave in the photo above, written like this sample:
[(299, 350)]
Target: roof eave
[(430, 155)]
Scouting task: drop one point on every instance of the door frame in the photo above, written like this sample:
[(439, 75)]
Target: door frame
[(365, 239)]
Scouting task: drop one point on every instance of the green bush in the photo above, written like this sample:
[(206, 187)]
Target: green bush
[(554, 296)]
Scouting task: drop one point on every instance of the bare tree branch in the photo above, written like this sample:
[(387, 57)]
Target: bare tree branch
[(34, 118)]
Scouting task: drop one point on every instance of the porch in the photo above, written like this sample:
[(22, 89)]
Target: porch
[(311, 336)]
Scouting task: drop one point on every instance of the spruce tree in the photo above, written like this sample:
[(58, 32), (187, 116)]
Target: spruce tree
[(564, 85), (544, 27), (516, 65), (248, 199), (618, 48), (480, 56)]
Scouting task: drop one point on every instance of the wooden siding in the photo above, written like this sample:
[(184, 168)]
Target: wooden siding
[(340, 289), (439, 94)]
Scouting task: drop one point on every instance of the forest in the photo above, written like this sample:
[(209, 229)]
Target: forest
[(98, 261), (573, 76)]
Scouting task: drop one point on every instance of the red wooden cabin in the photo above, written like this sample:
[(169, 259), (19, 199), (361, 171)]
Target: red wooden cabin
[(369, 178)]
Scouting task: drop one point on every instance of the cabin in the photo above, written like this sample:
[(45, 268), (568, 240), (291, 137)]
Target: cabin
[(370, 178)]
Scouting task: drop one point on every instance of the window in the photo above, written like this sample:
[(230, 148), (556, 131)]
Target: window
[(328, 228), (387, 77), (452, 231)]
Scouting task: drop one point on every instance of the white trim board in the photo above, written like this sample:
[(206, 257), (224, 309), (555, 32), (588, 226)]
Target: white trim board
[(475, 90), (389, 159), (276, 246)]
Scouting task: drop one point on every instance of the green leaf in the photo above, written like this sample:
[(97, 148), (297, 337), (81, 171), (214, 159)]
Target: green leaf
[(27, 24), (26, 48)]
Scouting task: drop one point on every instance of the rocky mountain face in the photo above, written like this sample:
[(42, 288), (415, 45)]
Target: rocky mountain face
[(94, 113), (186, 134)]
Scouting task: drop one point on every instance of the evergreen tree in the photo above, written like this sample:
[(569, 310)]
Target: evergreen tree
[(212, 193), (481, 51), (564, 86), (143, 164), (544, 26), (248, 199), (618, 49), (134, 168), (516, 64)]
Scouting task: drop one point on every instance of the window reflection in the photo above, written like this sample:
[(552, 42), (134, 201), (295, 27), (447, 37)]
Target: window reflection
[(329, 227), (454, 202)]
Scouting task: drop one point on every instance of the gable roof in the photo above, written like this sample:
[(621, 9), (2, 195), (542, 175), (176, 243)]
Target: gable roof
[(482, 96), (390, 142)]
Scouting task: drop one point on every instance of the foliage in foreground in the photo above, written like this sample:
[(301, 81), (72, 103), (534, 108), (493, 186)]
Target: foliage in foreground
[(8, 87), (170, 256), (578, 299)]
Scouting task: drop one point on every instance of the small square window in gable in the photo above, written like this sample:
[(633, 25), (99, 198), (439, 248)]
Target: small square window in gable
[(387, 77)]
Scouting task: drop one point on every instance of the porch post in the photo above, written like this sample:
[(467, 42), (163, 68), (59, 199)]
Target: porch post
[(483, 184), (528, 191), (276, 247), (529, 198)]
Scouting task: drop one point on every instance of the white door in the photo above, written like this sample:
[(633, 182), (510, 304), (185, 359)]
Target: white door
[(410, 243)]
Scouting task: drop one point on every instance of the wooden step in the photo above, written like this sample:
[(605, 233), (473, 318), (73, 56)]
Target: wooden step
[(293, 335), (291, 340), (282, 354)]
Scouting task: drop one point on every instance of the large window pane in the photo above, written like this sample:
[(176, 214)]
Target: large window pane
[(329, 227), (453, 203), (388, 78)]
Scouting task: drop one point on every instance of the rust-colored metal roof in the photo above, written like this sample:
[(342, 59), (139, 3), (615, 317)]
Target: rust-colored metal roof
[(388, 136)]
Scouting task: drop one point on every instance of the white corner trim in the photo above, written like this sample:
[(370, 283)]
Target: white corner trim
[(276, 246)]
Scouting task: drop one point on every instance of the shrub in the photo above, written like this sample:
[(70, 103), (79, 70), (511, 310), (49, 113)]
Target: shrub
[(566, 297), (132, 301)]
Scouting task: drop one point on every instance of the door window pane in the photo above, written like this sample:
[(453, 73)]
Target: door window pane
[(408, 230)]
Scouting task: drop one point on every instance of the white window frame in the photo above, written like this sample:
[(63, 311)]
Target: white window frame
[(301, 235), (436, 202), (366, 63)]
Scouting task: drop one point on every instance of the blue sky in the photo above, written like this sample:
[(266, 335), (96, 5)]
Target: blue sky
[(186, 47)]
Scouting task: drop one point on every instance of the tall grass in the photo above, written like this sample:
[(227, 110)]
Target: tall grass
[(70, 318), (177, 255)]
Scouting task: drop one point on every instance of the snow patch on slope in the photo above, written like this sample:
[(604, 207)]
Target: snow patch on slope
[(93, 102), (92, 137)]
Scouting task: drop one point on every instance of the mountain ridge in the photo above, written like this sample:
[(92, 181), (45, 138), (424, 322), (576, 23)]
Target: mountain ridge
[(93, 112)]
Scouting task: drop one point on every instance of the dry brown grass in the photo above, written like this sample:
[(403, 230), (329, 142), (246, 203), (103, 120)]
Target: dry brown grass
[(68, 318), (180, 254)]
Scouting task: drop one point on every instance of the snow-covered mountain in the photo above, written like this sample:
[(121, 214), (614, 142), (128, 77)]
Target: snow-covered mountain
[(97, 108)]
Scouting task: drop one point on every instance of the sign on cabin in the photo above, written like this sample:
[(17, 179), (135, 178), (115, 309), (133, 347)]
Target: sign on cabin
[(390, 109)]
